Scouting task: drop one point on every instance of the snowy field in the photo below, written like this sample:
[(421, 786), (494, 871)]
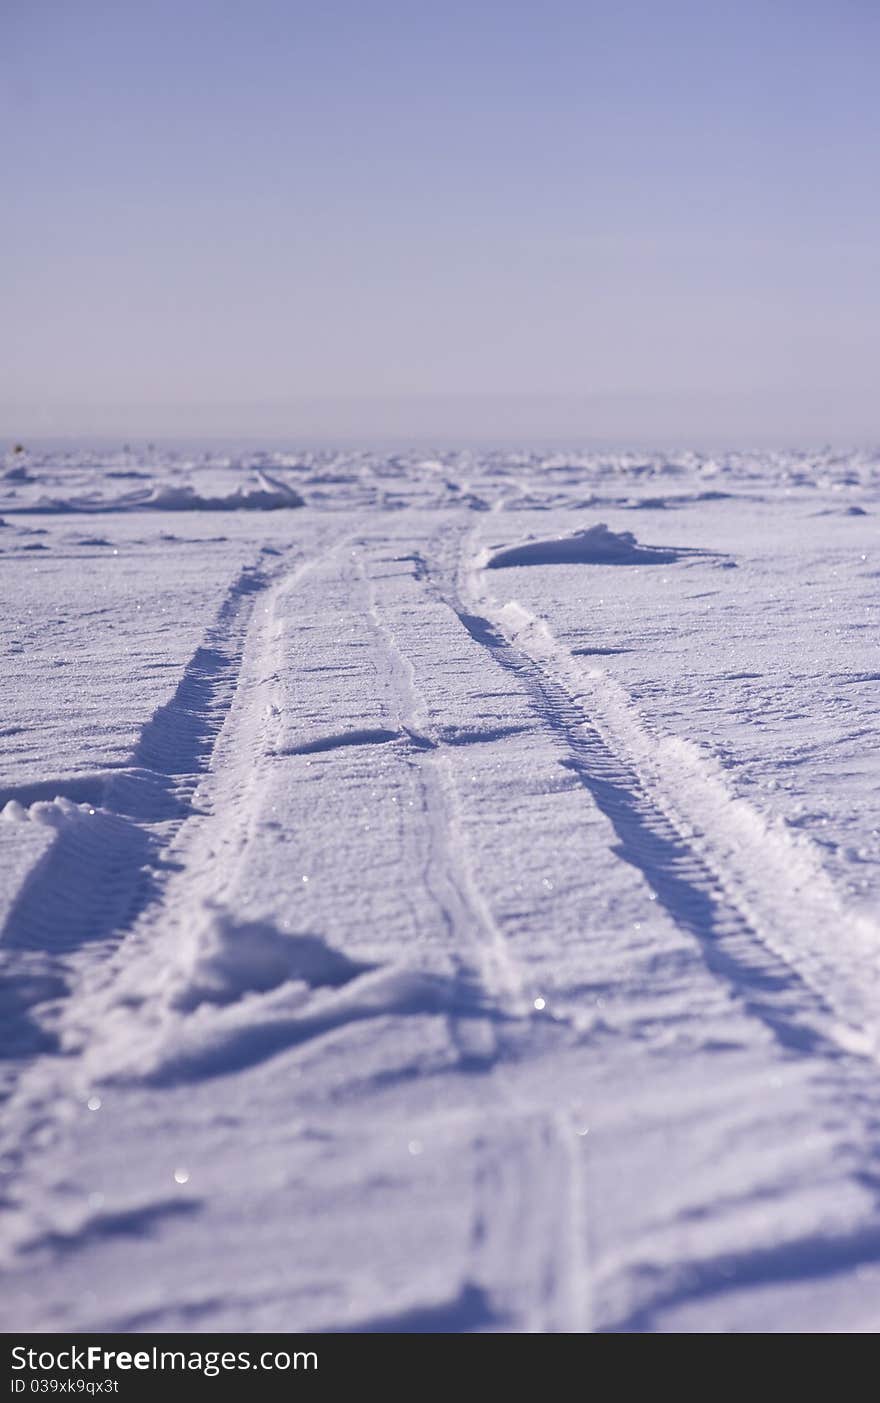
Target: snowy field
[(440, 893)]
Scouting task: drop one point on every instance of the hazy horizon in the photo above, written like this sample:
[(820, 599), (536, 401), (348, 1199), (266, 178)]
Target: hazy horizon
[(447, 423), (377, 221)]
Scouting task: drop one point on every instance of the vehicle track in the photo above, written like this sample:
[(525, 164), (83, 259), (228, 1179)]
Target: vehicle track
[(104, 865), (107, 881), (527, 1239), (448, 874), (748, 895), (759, 906)]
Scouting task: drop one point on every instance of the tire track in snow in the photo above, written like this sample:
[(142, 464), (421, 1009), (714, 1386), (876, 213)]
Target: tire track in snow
[(106, 872), (522, 1255), (448, 874), (793, 1260), (94, 878), (206, 854), (521, 1274), (526, 1240), (212, 855), (104, 863), (197, 841), (527, 1234), (758, 905)]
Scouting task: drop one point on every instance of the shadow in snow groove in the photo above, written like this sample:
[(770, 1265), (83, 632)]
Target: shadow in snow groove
[(682, 882), (101, 869), (470, 1310), (132, 1222), (807, 1258)]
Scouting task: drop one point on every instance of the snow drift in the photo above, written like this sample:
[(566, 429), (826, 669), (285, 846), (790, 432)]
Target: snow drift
[(221, 959), (268, 494), (595, 545)]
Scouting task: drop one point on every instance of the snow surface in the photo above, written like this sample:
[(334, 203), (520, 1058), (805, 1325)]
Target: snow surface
[(410, 922)]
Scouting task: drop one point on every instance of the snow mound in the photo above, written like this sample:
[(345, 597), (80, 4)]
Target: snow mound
[(595, 545), (194, 1043), (221, 959), (267, 494), (270, 495), (49, 813)]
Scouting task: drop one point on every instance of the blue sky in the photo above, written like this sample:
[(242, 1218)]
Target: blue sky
[(619, 220)]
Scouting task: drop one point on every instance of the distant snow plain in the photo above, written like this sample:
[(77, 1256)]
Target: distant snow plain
[(439, 892)]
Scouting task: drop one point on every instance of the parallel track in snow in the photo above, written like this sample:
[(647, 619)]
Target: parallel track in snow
[(526, 1238), (95, 877), (757, 902), (105, 879), (448, 874), (747, 896), (105, 863)]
